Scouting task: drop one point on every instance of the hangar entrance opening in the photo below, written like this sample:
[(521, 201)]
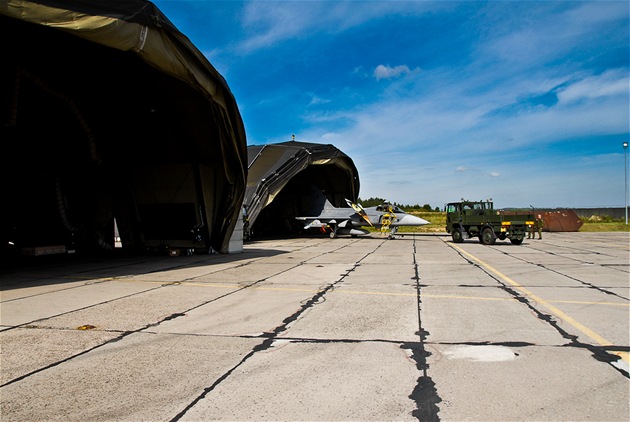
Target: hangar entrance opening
[(94, 134), (287, 180), (88, 140)]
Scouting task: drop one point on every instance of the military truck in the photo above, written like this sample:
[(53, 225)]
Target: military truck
[(468, 219)]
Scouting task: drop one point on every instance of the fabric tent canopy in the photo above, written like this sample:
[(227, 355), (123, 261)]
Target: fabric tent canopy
[(110, 112), (282, 180)]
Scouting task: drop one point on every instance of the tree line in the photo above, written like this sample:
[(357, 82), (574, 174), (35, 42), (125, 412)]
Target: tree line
[(372, 202)]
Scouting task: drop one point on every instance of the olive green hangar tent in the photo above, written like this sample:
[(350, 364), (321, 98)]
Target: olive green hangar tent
[(109, 113)]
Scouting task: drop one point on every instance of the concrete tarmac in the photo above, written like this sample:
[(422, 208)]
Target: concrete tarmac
[(414, 328)]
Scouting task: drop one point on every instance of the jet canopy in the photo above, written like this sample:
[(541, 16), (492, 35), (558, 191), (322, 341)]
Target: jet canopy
[(387, 207)]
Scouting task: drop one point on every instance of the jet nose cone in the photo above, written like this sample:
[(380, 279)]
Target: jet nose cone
[(412, 220)]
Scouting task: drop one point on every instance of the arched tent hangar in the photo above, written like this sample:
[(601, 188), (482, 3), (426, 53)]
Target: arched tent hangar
[(109, 112), (286, 179)]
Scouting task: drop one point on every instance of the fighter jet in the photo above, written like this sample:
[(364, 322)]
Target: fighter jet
[(348, 221)]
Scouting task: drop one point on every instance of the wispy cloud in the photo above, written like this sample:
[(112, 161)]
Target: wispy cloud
[(267, 23), (317, 100), (509, 91), (612, 83), (387, 72)]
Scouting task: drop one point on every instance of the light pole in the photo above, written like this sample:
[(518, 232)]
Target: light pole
[(625, 169)]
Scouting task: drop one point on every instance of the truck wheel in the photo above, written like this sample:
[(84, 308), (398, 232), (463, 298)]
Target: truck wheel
[(487, 237), (457, 235), (516, 240)]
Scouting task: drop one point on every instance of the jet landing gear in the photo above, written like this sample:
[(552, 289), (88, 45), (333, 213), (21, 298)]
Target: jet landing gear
[(392, 233), (325, 229), (333, 231)]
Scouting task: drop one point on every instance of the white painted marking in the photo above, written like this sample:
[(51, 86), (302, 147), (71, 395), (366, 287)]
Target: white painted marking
[(481, 353)]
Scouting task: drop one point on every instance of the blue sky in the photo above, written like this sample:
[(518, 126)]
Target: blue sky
[(526, 102)]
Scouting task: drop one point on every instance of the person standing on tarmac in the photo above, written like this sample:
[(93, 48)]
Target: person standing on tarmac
[(536, 228), (539, 227)]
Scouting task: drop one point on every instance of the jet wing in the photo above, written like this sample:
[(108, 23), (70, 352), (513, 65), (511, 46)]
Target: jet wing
[(355, 215), (317, 222)]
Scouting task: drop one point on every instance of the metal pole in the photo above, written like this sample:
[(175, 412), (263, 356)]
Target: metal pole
[(625, 168)]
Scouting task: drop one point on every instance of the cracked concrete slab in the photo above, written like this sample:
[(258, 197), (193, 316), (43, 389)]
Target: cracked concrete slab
[(316, 381), (416, 328)]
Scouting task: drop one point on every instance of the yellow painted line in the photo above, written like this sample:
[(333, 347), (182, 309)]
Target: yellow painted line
[(424, 295), (360, 292), (583, 302), (614, 245), (574, 302), (63, 277), (555, 311), (223, 286), (292, 289)]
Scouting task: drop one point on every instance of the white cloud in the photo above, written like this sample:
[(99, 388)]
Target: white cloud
[(270, 22), (611, 83), (469, 129), (518, 41), (387, 72), (429, 128), (316, 100)]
